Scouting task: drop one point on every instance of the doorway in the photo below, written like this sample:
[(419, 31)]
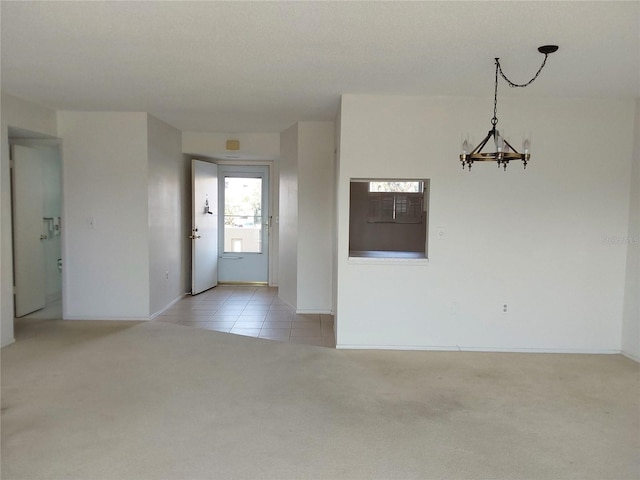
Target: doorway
[(36, 188), (244, 224)]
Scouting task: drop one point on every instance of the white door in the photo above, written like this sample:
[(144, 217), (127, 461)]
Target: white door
[(204, 226), (28, 228), (244, 224)]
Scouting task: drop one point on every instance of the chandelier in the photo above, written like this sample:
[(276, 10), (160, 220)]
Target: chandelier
[(504, 151)]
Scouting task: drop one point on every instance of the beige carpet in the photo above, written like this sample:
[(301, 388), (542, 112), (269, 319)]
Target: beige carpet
[(104, 400)]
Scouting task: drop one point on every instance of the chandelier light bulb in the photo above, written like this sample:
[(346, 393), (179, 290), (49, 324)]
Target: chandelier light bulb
[(526, 146), (465, 147), (499, 141)]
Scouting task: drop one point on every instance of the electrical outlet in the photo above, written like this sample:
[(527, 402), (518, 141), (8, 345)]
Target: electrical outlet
[(167, 274), (505, 307)]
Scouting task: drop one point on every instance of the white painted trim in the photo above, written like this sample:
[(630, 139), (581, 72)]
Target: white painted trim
[(110, 319), (480, 349), (311, 311), (395, 347), (173, 302), (35, 142), (630, 356), (414, 262), (588, 351), (13, 340)]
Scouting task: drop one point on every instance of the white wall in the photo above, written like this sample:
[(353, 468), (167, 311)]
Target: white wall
[(534, 239), (306, 216), (631, 321), (105, 175), (288, 217), (274, 232), (335, 202), (34, 118), (315, 216), (253, 146), (167, 236)]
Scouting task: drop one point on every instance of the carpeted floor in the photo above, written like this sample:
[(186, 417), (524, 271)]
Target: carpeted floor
[(107, 400)]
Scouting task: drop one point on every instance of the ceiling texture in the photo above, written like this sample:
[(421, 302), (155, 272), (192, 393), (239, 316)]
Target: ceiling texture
[(239, 67)]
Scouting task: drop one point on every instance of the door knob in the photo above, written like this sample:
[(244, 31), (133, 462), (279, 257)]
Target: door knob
[(193, 237), (43, 237)]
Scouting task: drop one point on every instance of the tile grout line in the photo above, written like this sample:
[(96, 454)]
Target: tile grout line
[(266, 303)]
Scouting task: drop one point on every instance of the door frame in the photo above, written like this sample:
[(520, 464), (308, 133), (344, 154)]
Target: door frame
[(273, 208), (27, 138)]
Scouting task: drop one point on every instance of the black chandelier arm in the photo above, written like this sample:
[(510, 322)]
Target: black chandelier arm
[(510, 146), (481, 145), (521, 85)]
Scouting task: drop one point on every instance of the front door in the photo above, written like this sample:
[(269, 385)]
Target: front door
[(204, 226), (244, 224)]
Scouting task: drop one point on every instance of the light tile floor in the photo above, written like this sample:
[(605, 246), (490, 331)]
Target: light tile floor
[(251, 311)]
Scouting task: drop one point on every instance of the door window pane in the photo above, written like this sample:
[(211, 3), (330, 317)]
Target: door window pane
[(243, 215)]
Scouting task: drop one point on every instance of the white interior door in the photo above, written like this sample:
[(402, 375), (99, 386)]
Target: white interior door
[(28, 228), (244, 224), (204, 226)]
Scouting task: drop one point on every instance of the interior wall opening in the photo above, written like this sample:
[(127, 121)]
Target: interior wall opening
[(388, 218)]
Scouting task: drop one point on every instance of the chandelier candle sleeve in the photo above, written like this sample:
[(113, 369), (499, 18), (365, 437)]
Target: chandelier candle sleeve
[(504, 151)]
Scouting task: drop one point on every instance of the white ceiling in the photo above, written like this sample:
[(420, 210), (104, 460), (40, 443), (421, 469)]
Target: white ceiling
[(261, 66)]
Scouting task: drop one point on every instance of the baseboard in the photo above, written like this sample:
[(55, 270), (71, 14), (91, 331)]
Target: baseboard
[(631, 356), (13, 340), (129, 319), (457, 348), (587, 351), (313, 311), (105, 318), (173, 302), (347, 346)]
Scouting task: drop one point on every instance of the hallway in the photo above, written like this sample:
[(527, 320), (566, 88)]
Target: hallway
[(252, 311)]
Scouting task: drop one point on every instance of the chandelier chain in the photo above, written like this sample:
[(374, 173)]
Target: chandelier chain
[(494, 120), (520, 85)]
